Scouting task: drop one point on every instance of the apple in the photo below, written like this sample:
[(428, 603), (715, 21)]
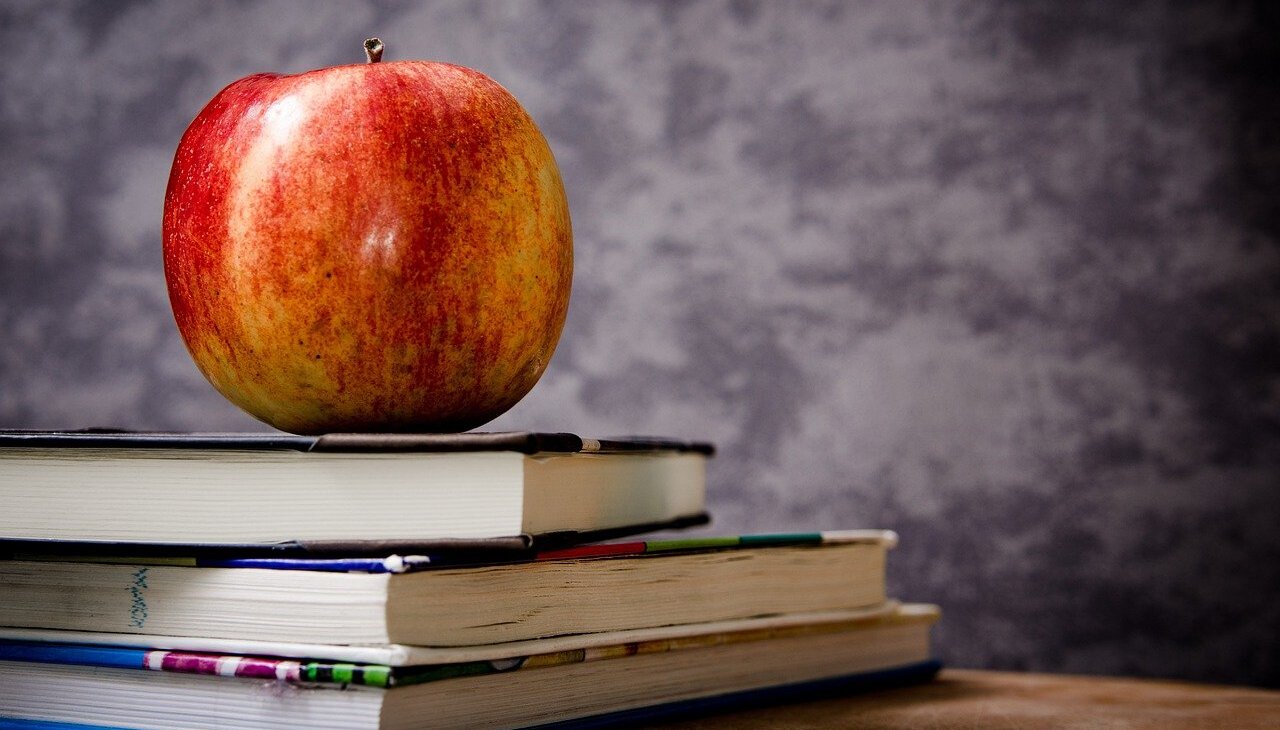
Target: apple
[(382, 246)]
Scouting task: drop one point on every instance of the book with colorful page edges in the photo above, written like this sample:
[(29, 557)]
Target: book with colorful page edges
[(154, 688)]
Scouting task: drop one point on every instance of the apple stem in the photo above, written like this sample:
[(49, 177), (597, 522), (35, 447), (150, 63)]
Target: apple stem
[(373, 49)]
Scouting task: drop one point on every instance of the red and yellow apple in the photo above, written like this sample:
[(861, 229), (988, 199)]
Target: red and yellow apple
[(382, 246)]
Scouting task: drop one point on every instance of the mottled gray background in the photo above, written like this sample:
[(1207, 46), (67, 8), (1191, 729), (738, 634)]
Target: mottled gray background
[(1002, 276)]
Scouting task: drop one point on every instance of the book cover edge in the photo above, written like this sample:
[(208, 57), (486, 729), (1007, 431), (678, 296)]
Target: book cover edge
[(513, 546), (525, 442)]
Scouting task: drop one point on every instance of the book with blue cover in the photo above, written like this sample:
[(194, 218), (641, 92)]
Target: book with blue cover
[(610, 676)]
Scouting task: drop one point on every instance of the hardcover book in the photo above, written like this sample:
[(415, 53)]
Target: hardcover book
[(433, 601), (614, 678), (347, 493)]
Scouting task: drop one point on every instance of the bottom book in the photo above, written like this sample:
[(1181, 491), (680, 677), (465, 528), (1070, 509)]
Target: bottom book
[(51, 684)]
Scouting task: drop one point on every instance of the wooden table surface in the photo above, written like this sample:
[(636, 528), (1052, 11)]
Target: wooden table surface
[(979, 699)]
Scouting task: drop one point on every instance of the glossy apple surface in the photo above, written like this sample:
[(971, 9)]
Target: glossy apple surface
[(376, 247)]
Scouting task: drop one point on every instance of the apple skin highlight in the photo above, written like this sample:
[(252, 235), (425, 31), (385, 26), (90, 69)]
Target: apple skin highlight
[(373, 247)]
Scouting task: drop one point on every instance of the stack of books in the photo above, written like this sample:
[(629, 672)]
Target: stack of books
[(413, 581)]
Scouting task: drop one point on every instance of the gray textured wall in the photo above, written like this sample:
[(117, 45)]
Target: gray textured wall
[(1002, 276)]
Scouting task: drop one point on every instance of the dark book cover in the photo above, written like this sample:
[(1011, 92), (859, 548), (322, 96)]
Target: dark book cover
[(516, 546), (524, 442)]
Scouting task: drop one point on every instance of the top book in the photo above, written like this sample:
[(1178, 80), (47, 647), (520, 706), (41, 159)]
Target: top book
[(348, 493)]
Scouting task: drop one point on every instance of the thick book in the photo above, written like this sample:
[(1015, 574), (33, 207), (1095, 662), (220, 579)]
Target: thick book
[(347, 493), (434, 602), (150, 688), (406, 655)]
